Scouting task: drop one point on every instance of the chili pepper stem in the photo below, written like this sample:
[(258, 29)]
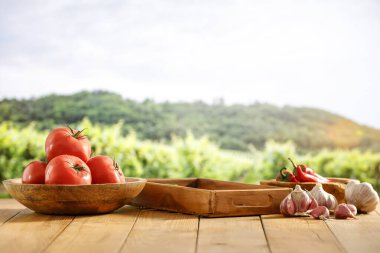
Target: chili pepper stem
[(282, 172), (294, 166)]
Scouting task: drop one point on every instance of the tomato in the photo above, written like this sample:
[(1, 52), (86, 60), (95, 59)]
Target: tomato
[(67, 169), (105, 170), (66, 141), (34, 173)]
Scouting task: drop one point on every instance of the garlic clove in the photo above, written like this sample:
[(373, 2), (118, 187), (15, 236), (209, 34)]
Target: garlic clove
[(287, 206), (283, 204), (321, 212), (313, 202), (323, 198), (291, 209), (331, 203), (352, 208), (343, 212)]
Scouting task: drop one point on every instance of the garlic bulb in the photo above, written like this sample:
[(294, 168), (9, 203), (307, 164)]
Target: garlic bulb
[(361, 195), (323, 198), (297, 202)]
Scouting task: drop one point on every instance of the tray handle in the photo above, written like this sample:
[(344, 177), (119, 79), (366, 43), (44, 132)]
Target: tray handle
[(249, 200), (262, 204)]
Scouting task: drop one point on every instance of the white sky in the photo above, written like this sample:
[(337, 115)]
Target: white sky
[(318, 53)]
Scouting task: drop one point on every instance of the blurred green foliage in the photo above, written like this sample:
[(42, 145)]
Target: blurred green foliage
[(234, 127), (186, 156)]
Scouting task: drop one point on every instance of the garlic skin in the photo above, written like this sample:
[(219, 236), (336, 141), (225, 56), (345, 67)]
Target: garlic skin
[(353, 209), (287, 206), (297, 203), (343, 211), (313, 203), (321, 212), (361, 195), (324, 198)]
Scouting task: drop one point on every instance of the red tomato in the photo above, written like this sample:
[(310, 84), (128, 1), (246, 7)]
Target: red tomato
[(34, 173), (105, 170), (66, 141), (67, 169)]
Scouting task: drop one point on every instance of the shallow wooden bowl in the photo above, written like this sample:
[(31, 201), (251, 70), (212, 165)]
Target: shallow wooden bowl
[(336, 187), (74, 199)]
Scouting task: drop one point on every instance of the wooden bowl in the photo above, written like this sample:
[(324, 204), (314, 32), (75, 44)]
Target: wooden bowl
[(74, 199), (336, 187)]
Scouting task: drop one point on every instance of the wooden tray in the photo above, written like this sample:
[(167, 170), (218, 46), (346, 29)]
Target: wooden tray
[(210, 198), (336, 187)]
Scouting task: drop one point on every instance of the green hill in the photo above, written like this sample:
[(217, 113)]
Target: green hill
[(231, 126)]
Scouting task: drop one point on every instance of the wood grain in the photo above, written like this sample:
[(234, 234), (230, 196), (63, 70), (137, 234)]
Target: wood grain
[(172, 197), (361, 235), (247, 202), (132, 230), (211, 184), (238, 234), (211, 198), (10, 204), (7, 214), (299, 235), (74, 199), (157, 231), (377, 209), (8, 209), (31, 232), (99, 233)]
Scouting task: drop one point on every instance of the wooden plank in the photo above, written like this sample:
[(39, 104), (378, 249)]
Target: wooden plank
[(358, 235), (378, 209), (240, 234), (7, 214), (10, 204), (299, 235), (8, 209), (99, 233), (31, 232), (157, 231)]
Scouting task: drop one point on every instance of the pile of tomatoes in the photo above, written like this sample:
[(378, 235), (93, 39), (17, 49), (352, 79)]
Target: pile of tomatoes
[(68, 153)]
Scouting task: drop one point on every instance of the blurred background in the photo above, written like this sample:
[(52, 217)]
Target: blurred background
[(218, 89)]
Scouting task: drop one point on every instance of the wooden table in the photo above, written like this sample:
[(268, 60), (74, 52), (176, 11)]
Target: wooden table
[(133, 230)]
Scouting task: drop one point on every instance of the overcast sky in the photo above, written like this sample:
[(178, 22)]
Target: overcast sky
[(317, 53)]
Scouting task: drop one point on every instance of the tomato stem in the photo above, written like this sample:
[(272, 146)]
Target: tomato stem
[(71, 130), (77, 167), (117, 167), (78, 135)]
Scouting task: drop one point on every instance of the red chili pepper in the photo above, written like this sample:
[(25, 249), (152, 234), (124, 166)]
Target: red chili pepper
[(286, 176), (303, 176), (311, 172)]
